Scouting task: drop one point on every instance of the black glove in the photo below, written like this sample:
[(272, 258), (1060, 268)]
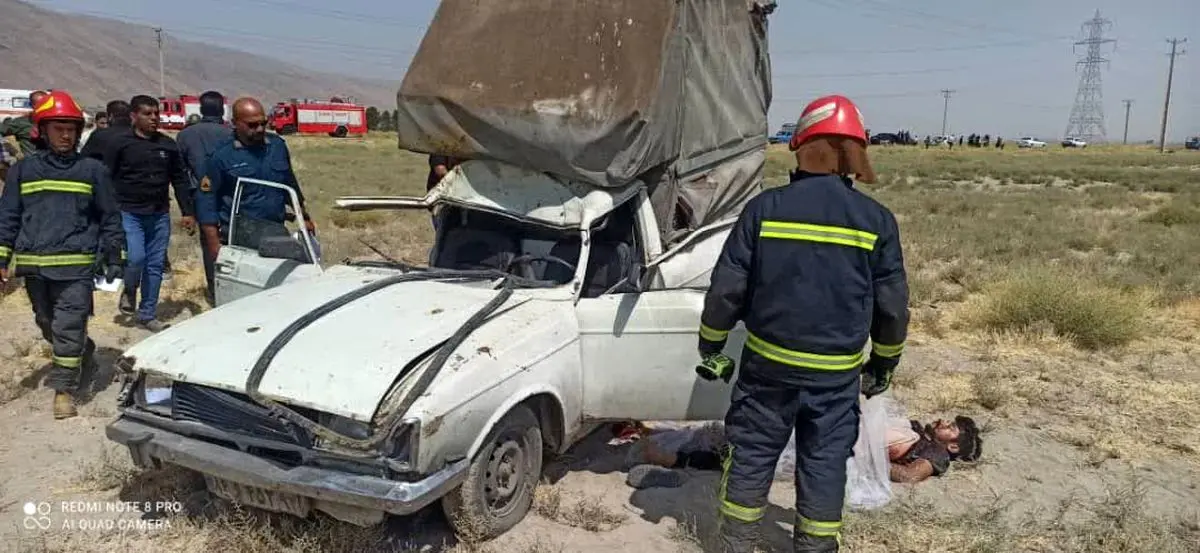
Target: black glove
[(877, 376), (113, 272)]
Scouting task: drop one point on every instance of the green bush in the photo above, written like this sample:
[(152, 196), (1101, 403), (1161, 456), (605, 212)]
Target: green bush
[(1089, 313), (1174, 214)]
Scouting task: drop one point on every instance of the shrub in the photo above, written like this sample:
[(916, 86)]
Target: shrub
[(1173, 214), (1090, 314)]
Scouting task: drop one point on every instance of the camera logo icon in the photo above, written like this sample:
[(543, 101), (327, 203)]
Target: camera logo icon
[(37, 516)]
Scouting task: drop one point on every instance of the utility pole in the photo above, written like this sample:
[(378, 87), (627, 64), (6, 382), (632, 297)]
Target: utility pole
[(1162, 133), (945, 108), (162, 85), (1128, 103)]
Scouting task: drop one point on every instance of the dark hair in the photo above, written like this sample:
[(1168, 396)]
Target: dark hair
[(117, 109), (141, 100), (100, 115), (970, 444), (212, 104), (36, 93)]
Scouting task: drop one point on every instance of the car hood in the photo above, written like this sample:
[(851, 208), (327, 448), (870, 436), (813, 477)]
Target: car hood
[(343, 363)]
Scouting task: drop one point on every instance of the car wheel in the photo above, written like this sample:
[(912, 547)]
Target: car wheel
[(499, 487)]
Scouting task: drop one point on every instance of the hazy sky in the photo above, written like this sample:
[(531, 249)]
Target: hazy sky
[(1010, 62)]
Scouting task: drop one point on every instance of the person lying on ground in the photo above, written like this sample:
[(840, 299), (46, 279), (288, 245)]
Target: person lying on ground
[(915, 452), (918, 452)]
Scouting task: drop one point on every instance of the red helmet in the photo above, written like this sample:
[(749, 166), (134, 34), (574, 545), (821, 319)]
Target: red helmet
[(829, 115), (57, 105)]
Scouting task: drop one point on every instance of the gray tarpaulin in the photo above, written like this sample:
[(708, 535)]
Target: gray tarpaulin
[(672, 92)]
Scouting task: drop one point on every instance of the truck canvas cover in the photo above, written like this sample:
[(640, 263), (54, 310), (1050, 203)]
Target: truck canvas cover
[(672, 92)]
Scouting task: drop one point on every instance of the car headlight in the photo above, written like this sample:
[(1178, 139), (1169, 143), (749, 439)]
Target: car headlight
[(155, 394)]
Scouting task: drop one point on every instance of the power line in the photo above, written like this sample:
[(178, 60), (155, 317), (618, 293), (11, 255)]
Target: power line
[(1087, 115), (919, 50), (872, 73), (1162, 133), (923, 15), (945, 108)]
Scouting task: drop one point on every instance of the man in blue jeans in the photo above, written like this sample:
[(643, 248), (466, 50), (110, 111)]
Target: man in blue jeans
[(144, 164)]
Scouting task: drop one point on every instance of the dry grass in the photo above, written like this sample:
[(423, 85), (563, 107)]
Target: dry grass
[(1069, 279), (584, 512), (1088, 313), (1113, 523)]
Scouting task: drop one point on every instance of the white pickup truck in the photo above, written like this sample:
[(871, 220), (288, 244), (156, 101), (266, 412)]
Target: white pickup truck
[(565, 285)]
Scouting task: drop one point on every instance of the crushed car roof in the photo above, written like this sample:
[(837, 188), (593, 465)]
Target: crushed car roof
[(538, 197)]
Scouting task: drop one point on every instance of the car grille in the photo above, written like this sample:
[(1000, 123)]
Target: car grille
[(233, 412)]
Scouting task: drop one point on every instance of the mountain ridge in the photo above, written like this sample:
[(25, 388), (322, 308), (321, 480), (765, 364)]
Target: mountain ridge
[(105, 59)]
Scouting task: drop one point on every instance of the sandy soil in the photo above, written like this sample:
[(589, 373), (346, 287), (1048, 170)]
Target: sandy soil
[(1031, 470)]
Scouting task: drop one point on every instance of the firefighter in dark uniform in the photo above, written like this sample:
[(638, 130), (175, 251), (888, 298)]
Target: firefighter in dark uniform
[(814, 270), (59, 223)]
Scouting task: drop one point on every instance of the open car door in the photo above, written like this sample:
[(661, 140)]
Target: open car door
[(262, 254)]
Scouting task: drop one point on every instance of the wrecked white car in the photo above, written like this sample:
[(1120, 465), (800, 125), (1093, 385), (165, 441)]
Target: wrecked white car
[(564, 287)]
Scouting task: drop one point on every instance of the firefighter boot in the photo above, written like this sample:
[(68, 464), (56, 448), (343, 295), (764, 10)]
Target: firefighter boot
[(64, 406), (738, 536), (805, 543)]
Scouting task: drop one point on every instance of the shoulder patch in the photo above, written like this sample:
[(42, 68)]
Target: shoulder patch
[(205, 185)]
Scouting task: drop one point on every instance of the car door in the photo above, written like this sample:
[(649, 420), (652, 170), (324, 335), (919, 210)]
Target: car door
[(243, 268), (639, 353), (639, 348)]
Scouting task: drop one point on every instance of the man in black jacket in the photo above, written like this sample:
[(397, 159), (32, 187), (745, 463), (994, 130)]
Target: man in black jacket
[(58, 224), (119, 123), (145, 164), (196, 145), (814, 270)]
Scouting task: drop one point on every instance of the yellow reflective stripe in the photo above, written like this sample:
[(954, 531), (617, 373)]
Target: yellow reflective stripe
[(743, 514), (68, 362), (711, 334), (816, 361), (4, 251), (75, 187), (884, 350), (729, 508), (820, 529), (818, 233), (54, 260), (122, 255)]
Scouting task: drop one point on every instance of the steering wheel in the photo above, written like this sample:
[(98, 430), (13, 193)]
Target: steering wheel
[(524, 260)]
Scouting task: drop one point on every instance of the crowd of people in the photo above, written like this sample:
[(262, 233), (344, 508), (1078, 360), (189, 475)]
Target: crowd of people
[(972, 140), (80, 205)]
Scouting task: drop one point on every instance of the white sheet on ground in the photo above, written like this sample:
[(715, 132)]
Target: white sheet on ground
[(867, 483)]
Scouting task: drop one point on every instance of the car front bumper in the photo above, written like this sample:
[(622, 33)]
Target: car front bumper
[(148, 444)]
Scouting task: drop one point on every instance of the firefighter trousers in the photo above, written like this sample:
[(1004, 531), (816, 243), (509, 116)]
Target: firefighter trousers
[(61, 309), (771, 400)]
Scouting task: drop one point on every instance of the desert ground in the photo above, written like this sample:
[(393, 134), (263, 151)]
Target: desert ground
[(1055, 298)]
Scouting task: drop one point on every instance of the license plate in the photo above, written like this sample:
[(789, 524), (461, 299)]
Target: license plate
[(279, 502)]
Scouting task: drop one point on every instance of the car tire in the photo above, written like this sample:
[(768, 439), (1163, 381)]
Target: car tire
[(505, 470)]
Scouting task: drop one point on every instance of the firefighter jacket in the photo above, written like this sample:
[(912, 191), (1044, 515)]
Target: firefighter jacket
[(58, 218), (814, 269)]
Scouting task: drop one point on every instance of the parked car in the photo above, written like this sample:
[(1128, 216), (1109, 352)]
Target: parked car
[(1192, 143), (784, 135), (1030, 142), (562, 291), (1072, 142)]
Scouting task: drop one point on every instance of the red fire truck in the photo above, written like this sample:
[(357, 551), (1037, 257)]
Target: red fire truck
[(174, 111), (335, 117)]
